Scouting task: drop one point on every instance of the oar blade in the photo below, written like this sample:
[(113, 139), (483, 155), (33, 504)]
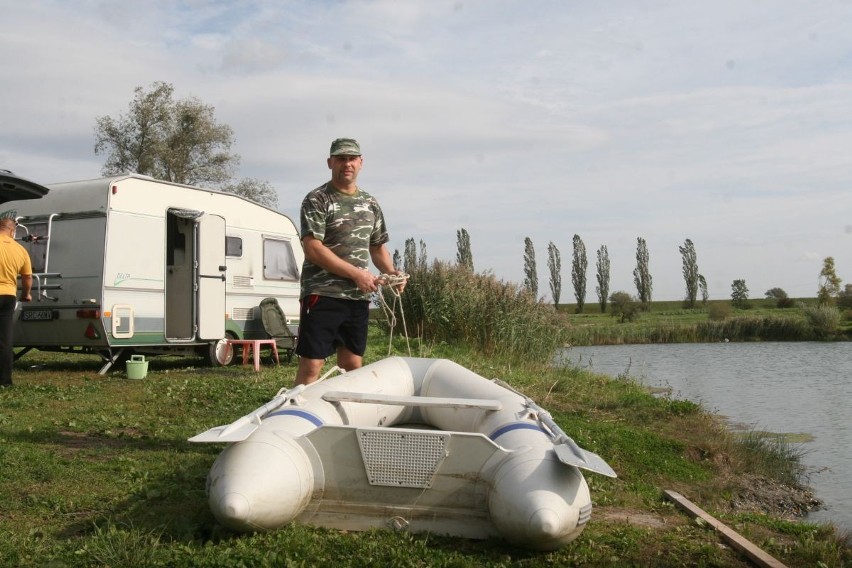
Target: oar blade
[(583, 459), (225, 433)]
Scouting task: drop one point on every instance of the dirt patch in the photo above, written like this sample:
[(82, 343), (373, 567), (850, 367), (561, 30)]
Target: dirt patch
[(636, 518), (95, 448), (761, 495), (79, 440), (753, 494)]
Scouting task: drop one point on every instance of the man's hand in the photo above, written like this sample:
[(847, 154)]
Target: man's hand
[(395, 278), (365, 281), (26, 287), (401, 286)]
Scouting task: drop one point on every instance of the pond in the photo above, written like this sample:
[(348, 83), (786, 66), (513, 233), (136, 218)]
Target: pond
[(799, 388)]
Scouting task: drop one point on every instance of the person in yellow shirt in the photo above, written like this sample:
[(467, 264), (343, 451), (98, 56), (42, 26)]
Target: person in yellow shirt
[(14, 260)]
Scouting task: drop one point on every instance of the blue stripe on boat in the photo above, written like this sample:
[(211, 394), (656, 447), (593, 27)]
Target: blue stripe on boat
[(312, 418), (515, 426)]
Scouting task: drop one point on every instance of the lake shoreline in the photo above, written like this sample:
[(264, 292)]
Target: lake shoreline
[(745, 386)]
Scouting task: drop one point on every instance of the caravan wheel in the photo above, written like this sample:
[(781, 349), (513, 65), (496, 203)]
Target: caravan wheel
[(221, 353)]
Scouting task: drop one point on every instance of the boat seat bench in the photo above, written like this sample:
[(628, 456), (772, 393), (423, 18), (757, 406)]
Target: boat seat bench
[(435, 401)]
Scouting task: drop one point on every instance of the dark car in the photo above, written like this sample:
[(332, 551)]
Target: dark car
[(13, 188)]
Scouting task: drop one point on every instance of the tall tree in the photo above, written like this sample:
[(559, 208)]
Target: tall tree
[(702, 285), (134, 142), (690, 272), (642, 273), (260, 191), (178, 141), (739, 294), (409, 259), (530, 275), (422, 259), (397, 260), (829, 283), (602, 288), (578, 272), (464, 256), (174, 140), (554, 264)]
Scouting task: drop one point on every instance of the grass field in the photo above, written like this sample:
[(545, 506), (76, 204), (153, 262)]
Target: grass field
[(96, 471), (670, 322)]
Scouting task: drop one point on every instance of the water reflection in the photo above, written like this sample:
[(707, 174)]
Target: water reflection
[(781, 387)]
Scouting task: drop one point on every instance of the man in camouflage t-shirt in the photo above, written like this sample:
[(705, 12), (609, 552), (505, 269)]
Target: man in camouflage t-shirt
[(342, 229)]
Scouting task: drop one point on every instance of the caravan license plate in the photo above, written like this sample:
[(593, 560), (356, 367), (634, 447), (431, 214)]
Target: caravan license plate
[(37, 315)]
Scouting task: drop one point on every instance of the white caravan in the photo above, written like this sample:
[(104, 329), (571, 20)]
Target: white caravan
[(129, 264)]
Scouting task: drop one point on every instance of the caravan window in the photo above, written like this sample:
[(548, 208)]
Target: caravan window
[(279, 263), (233, 246)]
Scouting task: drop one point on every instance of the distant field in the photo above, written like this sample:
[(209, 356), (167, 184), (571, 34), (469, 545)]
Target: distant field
[(759, 306), (669, 321)]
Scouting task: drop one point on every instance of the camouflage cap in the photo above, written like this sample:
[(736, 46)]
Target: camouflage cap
[(345, 147)]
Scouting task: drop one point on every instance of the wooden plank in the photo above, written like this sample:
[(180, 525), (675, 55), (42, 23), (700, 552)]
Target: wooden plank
[(434, 401), (737, 541)]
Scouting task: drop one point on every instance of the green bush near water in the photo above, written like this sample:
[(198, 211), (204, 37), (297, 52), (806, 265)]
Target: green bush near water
[(766, 328), (449, 303), (823, 320), (719, 311)]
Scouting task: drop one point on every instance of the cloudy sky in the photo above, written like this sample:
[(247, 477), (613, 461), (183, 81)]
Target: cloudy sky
[(728, 123)]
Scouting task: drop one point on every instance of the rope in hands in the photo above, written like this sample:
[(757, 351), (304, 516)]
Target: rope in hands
[(392, 282)]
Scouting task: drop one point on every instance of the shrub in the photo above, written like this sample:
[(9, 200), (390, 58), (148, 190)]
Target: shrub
[(449, 303), (624, 306), (823, 320), (844, 298), (772, 455), (719, 311), (780, 298)]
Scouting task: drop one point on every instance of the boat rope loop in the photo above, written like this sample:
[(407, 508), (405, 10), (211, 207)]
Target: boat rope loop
[(391, 282)]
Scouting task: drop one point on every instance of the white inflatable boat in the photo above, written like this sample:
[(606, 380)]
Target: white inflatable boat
[(411, 444)]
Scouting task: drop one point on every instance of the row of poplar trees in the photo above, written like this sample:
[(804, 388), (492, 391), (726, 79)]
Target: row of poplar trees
[(579, 266), (695, 281)]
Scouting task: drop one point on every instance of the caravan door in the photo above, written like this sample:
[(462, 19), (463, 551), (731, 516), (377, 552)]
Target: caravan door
[(210, 239)]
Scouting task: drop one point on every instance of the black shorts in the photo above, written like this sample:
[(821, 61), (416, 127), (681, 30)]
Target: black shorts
[(326, 323)]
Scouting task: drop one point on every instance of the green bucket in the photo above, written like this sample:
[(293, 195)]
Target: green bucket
[(137, 367)]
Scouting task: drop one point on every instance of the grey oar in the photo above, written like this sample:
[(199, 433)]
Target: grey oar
[(566, 449), (242, 428)]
